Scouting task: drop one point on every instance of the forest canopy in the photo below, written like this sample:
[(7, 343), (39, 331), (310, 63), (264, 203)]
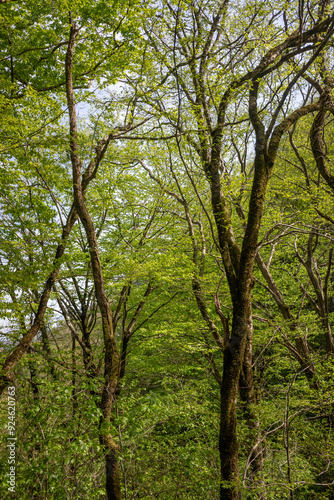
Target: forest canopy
[(166, 249)]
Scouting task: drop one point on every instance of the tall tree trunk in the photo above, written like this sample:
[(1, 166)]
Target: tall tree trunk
[(111, 361)]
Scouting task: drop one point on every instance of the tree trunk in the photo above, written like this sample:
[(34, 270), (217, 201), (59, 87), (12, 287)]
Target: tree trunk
[(248, 397), (112, 359), (111, 450), (47, 351), (113, 488), (301, 351), (7, 375), (233, 363)]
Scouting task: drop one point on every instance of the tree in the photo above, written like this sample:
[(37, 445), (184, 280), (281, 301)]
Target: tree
[(203, 109), (191, 40), (91, 21)]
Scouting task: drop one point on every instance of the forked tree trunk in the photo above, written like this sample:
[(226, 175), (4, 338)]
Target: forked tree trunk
[(239, 271)]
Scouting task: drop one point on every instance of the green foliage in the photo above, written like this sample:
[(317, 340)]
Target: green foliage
[(157, 240)]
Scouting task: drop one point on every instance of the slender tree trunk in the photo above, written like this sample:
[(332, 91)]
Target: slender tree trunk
[(47, 351), (7, 375), (301, 350), (74, 369), (111, 361), (33, 375)]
